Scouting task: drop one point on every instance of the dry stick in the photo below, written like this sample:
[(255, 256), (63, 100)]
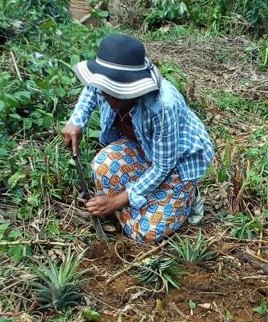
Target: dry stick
[(29, 242), (83, 214), (213, 292), (261, 235), (151, 251), (175, 308), (254, 260), (245, 240), (260, 259), (147, 268), (260, 243), (70, 217), (255, 277), (85, 18), (253, 90), (10, 314), (10, 286), (210, 240), (234, 239), (15, 65), (238, 198)]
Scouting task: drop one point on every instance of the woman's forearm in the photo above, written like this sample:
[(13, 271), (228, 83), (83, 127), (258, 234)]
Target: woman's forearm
[(120, 200)]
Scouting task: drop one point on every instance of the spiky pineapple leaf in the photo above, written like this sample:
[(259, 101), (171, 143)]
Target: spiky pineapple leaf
[(187, 251), (160, 272), (57, 286)]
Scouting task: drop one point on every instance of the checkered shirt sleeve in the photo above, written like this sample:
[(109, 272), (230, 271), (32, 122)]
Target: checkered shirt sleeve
[(86, 103)]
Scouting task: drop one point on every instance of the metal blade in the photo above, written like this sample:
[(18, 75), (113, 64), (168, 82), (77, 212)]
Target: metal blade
[(86, 195)]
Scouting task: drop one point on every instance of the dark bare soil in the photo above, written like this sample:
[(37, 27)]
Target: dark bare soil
[(229, 284)]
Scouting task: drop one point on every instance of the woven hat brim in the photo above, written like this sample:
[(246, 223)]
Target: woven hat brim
[(132, 84)]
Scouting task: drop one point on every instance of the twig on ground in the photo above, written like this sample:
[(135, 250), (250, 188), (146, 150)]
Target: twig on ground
[(70, 210), (260, 243), (9, 314), (82, 216), (254, 241), (253, 90), (148, 289), (33, 242), (214, 292), (254, 277), (91, 295), (136, 264), (10, 286), (15, 65), (261, 235), (135, 261), (254, 260), (173, 306), (85, 18), (264, 261)]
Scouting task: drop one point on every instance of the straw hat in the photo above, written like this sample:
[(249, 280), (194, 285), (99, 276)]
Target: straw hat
[(121, 68)]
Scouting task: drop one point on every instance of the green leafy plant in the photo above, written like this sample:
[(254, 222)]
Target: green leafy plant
[(192, 306), (228, 316), (257, 175), (175, 75), (228, 16), (33, 175), (262, 308), (166, 11), (99, 9), (35, 92), (187, 251), (224, 171), (226, 101), (263, 47), (244, 226), (58, 286), (234, 16), (160, 272), (256, 12), (90, 315)]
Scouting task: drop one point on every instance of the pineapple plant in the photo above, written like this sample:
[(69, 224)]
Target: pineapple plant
[(57, 287), (187, 251), (160, 272)]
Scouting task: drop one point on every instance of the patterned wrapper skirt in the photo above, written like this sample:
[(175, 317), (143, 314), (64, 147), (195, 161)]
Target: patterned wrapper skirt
[(167, 207)]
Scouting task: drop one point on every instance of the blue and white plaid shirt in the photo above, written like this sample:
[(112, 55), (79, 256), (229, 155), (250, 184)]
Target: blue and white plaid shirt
[(168, 131)]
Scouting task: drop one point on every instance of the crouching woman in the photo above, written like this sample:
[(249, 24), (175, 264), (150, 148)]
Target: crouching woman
[(155, 150)]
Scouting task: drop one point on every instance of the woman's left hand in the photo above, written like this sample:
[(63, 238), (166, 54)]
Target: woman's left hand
[(100, 205)]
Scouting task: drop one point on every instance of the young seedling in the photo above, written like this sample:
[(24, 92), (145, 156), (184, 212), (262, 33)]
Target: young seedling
[(191, 252), (192, 306)]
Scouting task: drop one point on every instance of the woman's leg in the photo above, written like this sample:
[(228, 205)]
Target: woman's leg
[(167, 207)]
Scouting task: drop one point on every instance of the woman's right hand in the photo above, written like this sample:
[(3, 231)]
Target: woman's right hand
[(72, 136)]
